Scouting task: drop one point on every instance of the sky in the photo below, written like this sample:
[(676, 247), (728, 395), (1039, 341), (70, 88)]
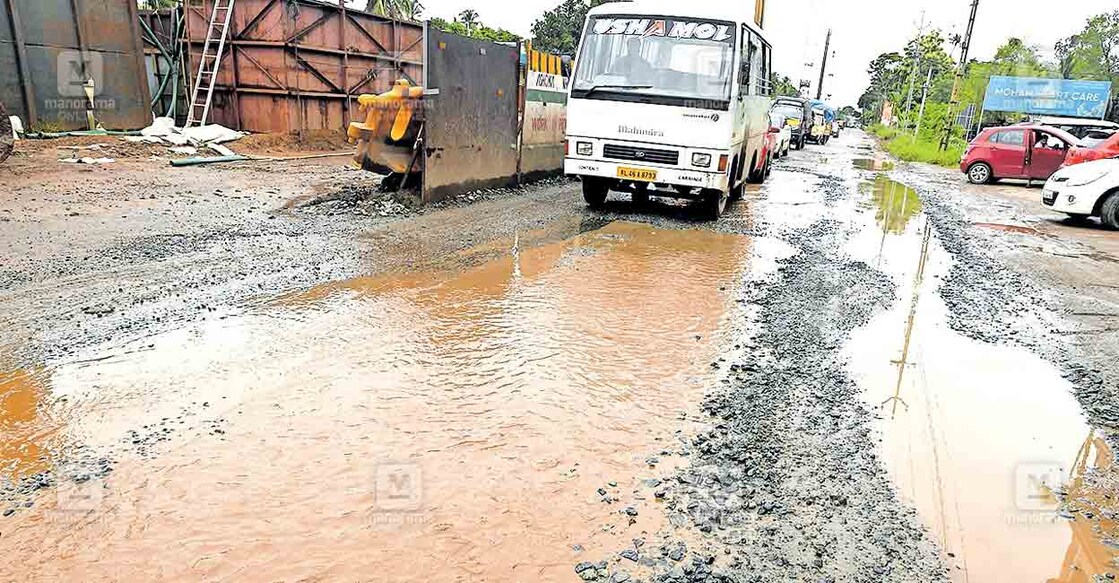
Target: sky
[(861, 29)]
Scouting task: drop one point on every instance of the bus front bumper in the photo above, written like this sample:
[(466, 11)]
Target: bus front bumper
[(675, 177)]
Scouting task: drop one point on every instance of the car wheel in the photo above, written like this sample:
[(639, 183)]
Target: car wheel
[(1109, 212), (713, 204), (979, 173), (595, 192)]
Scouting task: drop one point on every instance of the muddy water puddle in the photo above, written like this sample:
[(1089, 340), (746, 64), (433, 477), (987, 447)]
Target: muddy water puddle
[(981, 439), (873, 164), (442, 426)]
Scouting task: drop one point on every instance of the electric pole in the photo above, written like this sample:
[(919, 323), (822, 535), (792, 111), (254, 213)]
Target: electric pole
[(824, 66), (950, 120), (924, 98), (916, 66)]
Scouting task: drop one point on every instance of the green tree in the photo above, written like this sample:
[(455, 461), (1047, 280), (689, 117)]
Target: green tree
[(467, 24), (783, 86), (887, 79), (1093, 53), (401, 9), (558, 30), (469, 19)]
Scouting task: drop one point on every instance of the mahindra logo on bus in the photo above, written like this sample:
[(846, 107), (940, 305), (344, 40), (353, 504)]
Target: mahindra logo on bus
[(712, 117), (623, 129), (646, 27)]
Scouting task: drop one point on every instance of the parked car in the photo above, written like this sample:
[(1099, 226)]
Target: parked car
[(1025, 152), (1086, 190), (1096, 137), (779, 127), (1079, 127), (1106, 149), (798, 116)]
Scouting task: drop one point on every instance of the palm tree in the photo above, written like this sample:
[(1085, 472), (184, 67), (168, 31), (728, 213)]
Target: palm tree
[(469, 19)]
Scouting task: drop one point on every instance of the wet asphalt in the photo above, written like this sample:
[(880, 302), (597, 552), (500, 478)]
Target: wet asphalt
[(773, 472)]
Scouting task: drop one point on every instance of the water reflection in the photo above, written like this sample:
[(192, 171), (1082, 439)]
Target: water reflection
[(873, 164), (897, 204), (978, 423), (911, 322), (1091, 501)]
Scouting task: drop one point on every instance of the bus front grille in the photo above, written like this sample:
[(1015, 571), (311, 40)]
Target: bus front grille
[(649, 155)]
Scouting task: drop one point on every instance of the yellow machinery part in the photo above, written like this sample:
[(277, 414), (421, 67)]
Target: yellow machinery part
[(389, 119)]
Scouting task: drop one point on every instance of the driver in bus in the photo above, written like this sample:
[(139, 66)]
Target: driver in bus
[(633, 65)]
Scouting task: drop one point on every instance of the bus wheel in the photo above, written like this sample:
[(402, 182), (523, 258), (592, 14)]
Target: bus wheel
[(712, 204), (737, 185), (595, 191)]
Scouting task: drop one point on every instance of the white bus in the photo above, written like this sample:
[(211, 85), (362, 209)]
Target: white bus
[(671, 100)]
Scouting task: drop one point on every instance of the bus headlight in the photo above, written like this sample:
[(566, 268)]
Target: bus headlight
[(584, 148), (701, 160)]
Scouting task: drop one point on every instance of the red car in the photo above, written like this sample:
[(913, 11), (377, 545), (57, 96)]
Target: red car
[(1029, 152), (1108, 148)]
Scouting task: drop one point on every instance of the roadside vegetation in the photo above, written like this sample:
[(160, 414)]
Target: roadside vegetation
[(927, 66), (925, 149)]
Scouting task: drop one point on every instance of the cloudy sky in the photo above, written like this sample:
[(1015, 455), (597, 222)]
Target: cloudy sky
[(862, 28)]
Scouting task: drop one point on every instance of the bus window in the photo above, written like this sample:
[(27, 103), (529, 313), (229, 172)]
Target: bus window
[(765, 80), (756, 68), (744, 74)]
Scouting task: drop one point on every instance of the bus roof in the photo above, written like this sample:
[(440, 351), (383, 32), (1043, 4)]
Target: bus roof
[(695, 10)]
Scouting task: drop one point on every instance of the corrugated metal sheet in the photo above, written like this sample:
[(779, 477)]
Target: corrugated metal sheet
[(48, 48), (295, 65)]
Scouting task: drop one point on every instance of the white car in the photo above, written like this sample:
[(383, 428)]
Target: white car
[(1086, 190), (784, 134)]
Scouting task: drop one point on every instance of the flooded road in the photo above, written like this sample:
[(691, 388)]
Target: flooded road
[(459, 423), (848, 378), (980, 438)]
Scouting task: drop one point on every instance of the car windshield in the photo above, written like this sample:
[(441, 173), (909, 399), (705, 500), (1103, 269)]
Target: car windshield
[(1103, 140), (657, 58), (790, 111)]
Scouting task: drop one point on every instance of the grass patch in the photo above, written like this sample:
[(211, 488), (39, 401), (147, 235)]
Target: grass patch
[(924, 149)]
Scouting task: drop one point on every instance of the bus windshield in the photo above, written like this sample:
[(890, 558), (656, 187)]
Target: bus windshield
[(656, 60)]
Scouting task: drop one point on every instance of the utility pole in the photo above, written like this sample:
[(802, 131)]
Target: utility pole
[(924, 98), (950, 120), (824, 66), (916, 66)]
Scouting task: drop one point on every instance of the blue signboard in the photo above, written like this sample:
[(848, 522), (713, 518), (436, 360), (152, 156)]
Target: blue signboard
[(1061, 97)]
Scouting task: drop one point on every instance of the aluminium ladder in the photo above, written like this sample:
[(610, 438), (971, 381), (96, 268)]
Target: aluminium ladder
[(210, 62)]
